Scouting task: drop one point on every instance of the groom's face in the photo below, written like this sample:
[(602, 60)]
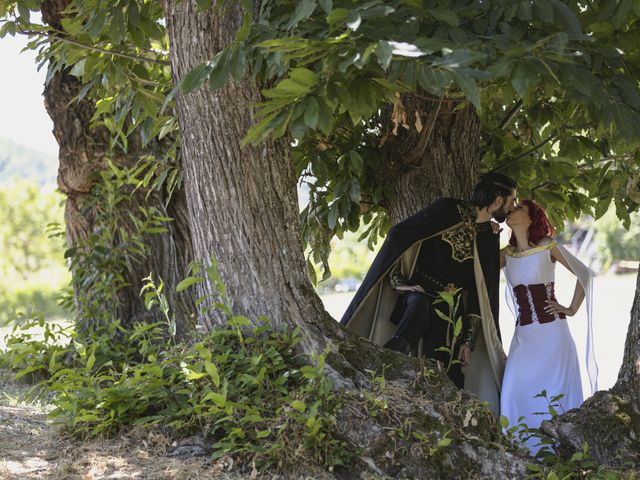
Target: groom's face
[(503, 206)]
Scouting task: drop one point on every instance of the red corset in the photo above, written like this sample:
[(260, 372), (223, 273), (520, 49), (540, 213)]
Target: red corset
[(532, 299)]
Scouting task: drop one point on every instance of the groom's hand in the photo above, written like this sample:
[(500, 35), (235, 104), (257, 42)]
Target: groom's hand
[(465, 355), (410, 288)]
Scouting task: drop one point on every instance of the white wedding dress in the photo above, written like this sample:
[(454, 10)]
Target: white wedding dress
[(542, 356)]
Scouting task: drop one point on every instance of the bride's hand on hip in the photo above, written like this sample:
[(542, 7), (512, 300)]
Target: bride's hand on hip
[(554, 308)]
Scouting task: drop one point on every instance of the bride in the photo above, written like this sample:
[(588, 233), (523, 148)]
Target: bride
[(542, 356)]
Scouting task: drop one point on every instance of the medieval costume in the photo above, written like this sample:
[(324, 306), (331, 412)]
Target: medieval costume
[(543, 356), (439, 248)]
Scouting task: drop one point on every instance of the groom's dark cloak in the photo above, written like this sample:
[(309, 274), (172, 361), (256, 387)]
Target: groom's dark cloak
[(376, 299)]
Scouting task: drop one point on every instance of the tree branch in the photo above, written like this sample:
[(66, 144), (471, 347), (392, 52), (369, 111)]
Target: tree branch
[(510, 114), (60, 36), (528, 152)]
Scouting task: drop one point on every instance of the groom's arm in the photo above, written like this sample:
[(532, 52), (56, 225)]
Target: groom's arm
[(471, 320)]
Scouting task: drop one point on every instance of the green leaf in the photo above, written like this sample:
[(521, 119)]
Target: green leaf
[(521, 79), (325, 117), (444, 15), (298, 405), (543, 9), (357, 162), (212, 370), (311, 112), (218, 399), (338, 15), (443, 316), (91, 361), (303, 11), (384, 52), (237, 63), (260, 130), (354, 20), (332, 218), (304, 77), (567, 17), (195, 78), (326, 5), (187, 282), (504, 421), (457, 328), (469, 87), (97, 22), (221, 72), (118, 26), (444, 442)]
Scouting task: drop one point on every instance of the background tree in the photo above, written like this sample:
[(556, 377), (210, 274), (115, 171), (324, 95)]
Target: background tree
[(131, 221), (32, 268)]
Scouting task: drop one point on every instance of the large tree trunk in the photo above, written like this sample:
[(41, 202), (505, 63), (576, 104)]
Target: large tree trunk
[(610, 420), (242, 201), (439, 156), (82, 156)]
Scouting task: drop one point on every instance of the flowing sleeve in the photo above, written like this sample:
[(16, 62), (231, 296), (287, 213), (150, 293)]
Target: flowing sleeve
[(585, 276)]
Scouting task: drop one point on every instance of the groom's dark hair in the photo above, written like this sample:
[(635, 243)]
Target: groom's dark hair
[(490, 186)]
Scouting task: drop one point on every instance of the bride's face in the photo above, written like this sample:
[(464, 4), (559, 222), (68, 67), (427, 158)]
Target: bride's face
[(519, 216)]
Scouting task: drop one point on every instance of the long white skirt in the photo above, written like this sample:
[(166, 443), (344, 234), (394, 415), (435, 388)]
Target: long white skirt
[(541, 357)]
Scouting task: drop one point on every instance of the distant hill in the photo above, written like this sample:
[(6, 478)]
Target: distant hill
[(18, 161)]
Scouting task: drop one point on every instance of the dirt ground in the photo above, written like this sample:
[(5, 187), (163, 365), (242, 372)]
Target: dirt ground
[(31, 448)]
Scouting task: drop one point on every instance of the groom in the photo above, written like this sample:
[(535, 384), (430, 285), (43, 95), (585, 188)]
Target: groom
[(450, 244)]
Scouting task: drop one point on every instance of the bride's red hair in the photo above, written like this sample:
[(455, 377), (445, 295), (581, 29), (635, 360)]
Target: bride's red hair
[(540, 226)]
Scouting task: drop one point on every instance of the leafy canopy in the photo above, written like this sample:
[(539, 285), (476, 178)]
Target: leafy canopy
[(555, 85)]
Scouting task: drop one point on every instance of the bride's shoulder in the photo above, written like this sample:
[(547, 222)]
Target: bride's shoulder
[(547, 241)]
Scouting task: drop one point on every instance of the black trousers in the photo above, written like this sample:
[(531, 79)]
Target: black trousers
[(416, 319)]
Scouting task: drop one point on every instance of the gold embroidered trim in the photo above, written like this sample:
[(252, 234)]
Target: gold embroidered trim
[(384, 275), (461, 237), (512, 252), (475, 324)]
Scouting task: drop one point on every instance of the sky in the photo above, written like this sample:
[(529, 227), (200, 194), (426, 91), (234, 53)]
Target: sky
[(23, 117)]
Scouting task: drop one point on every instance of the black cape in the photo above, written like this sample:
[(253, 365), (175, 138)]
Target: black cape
[(369, 313), (431, 221)]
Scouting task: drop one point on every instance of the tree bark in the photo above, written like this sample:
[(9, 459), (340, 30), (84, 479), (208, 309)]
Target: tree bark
[(82, 155), (629, 375), (242, 200), (437, 156)]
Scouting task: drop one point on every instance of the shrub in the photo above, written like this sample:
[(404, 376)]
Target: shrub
[(247, 389)]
